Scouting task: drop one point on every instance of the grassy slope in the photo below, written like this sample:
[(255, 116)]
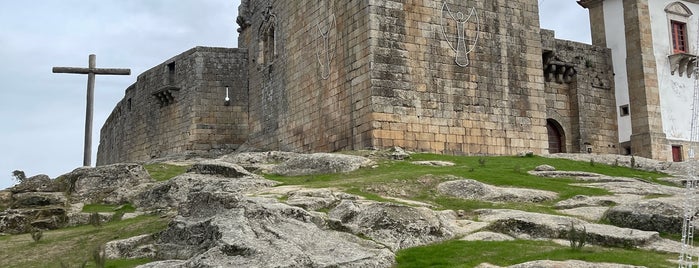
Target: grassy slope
[(74, 245), (418, 183)]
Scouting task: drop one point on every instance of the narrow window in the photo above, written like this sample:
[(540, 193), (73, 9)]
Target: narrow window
[(171, 73), (679, 37), (624, 110), (128, 104)]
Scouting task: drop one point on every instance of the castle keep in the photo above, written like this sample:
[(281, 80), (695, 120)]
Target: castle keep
[(454, 77)]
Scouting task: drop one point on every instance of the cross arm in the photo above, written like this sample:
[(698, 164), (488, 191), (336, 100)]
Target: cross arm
[(75, 70)]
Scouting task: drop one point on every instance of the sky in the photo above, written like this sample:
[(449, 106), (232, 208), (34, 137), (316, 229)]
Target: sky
[(42, 114)]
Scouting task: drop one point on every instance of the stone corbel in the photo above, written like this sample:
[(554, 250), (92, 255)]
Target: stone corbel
[(557, 69), (164, 95), (682, 63)]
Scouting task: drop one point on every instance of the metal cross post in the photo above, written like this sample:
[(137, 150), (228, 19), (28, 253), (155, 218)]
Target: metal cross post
[(91, 71)]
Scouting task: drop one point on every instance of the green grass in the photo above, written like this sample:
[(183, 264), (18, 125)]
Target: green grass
[(163, 172), (126, 208), (473, 253), (419, 182), (72, 246)]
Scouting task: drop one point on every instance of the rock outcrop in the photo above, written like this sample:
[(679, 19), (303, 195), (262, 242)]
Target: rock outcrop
[(293, 164), (394, 225), (207, 176), (112, 184), (237, 231), (475, 190)]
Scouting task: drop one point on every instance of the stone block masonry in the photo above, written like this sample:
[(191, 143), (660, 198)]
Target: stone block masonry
[(455, 77), (178, 107), (393, 77)]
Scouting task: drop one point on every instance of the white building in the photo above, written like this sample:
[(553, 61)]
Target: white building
[(653, 43)]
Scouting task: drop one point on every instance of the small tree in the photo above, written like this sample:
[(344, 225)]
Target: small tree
[(19, 175)]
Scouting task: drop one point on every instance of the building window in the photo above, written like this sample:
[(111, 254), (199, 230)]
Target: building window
[(679, 37), (624, 110)]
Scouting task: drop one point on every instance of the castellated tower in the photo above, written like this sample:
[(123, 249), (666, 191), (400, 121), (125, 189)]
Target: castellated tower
[(455, 77)]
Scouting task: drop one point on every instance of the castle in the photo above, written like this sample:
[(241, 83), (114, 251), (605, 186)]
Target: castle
[(446, 76)]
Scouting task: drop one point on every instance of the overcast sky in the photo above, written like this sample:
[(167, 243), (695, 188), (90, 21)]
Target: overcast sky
[(43, 114)]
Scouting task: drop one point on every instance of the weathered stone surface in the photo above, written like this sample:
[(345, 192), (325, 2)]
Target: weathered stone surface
[(578, 175), (38, 199), (587, 213), (112, 184), (169, 194), (38, 183), (434, 163), (237, 231), (623, 160), (593, 201), (635, 187), (544, 168), (293, 164), (17, 221), (527, 225), (5, 199), (320, 163), (660, 214), (475, 190), (398, 153), (487, 236), (219, 168), (141, 246), (397, 226), (258, 161), (315, 199)]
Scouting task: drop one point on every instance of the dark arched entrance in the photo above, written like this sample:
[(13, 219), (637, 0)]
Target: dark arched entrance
[(556, 137)]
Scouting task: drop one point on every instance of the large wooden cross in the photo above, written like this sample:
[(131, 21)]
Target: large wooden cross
[(91, 71)]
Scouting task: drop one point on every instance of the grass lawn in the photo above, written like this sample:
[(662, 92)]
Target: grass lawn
[(473, 253), (419, 182), (72, 246), (163, 172)]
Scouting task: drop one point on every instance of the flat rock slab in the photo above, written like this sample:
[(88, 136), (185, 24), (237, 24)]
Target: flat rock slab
[(434, 163), (475, 190), (527, 225), (487, 236), (597, 201), (577, 175), (396, 226), (635, 187), (586, 213), (664, 214), (294, 164)]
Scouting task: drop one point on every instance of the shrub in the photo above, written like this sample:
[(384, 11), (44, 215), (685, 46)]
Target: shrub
[(95, 220), (481, 161), (19, 175), (577, 238), (36, 234), (99, 257)]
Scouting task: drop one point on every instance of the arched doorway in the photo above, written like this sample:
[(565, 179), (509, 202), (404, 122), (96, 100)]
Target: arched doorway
[(556, 137)]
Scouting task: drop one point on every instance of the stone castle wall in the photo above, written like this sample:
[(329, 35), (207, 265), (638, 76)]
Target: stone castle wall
[(393, 79), (456, 77), (583, 104), (306, 95), (178, 107)]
